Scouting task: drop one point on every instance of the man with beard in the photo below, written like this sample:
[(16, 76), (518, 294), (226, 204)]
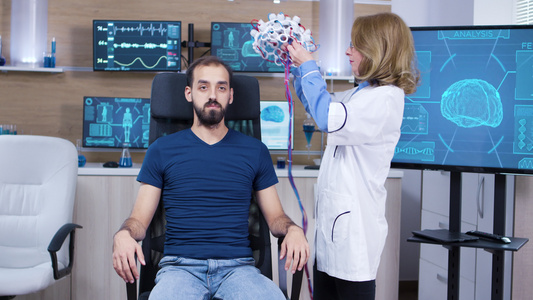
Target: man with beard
[(205, 176)]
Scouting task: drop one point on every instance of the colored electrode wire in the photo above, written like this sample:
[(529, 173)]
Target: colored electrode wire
[(268, 39)]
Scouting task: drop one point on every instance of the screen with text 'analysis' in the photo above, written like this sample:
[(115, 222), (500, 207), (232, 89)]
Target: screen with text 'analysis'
[(474, 108)]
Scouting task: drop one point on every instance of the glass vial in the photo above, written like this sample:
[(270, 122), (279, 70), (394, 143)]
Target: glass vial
[(81, 158), (309, 129), (125, 158)]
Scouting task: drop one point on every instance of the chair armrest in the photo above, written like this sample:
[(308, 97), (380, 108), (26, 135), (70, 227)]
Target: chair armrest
[(282, 275), (131, 290), (56, 243)]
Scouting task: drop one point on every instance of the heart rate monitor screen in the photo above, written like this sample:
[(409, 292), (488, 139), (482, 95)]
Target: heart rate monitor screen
[(136, 45), (109, 122), (474, 108)]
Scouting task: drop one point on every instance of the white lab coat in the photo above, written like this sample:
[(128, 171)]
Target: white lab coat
[(350, 206)]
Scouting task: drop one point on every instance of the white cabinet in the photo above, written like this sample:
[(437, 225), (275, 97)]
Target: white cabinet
[(477, 211)]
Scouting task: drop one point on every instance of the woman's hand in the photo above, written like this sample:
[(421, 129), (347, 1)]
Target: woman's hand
[(297, 52)]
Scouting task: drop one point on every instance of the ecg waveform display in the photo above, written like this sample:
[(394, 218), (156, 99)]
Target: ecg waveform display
[(473, 110), (136, 45), (108, 122)]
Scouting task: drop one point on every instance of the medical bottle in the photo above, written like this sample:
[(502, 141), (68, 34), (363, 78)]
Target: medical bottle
[(309, 129), (125, 158), (81, 158)]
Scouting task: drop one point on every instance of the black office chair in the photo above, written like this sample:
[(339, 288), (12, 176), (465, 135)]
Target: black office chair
[(171, 112)]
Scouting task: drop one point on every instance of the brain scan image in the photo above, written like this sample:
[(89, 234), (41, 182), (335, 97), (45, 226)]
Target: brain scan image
[(472, 103), (273, 113)]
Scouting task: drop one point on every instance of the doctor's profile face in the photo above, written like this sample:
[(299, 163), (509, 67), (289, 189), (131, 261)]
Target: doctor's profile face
[(355, 58), (210, 93)]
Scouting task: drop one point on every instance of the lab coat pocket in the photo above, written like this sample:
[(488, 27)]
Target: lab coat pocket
[(334, 213)]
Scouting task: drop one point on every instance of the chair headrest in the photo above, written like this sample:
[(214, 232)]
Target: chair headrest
[(168, 98)]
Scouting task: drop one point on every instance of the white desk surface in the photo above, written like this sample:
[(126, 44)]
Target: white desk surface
[(97, 169)]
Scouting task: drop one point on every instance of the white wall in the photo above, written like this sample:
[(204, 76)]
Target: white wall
[(434, 12), (494, 12), (454, 12)]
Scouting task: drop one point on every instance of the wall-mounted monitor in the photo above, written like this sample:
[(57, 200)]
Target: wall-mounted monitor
[(136, 45), (232, 43), (473, 111), (275, 119), (109, 122)]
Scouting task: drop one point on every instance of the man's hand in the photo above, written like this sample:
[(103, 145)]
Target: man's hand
[(124, 250), (295, 248)]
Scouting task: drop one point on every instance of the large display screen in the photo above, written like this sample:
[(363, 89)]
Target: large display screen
[(109, 122), (473, 111), (136, 45), (275, 118), (232, 43)]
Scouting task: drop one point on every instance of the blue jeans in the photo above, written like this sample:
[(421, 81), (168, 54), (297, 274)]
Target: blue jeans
[(185, 278)]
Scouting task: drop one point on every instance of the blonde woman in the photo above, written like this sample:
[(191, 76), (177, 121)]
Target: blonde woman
[(363, 126)]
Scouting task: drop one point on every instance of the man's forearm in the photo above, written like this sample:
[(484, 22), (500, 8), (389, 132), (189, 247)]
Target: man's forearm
[(135, 229), (281, 226)]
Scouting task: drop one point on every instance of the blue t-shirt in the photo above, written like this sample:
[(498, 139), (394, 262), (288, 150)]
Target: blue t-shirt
[(206, 191)]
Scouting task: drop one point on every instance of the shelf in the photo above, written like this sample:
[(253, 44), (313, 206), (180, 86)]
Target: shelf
[(29, 69), (515, 245), (90, 69), (346, 78)]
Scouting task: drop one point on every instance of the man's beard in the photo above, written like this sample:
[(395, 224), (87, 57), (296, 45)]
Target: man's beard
[(209, 117)]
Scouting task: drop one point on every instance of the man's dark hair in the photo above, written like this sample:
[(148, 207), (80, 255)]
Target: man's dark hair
[(207, 61)]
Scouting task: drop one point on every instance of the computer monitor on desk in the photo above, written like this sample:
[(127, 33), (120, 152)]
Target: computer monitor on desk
[(109, 122), (275, 118)]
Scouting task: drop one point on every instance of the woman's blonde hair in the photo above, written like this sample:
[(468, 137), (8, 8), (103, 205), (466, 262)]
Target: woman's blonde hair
[(387, 47)]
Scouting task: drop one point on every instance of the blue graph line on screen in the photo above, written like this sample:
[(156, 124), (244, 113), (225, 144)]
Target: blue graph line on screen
[(125, 45), (141, 29), (414, 151), (526, 163), (141, 61), (496, 145)]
